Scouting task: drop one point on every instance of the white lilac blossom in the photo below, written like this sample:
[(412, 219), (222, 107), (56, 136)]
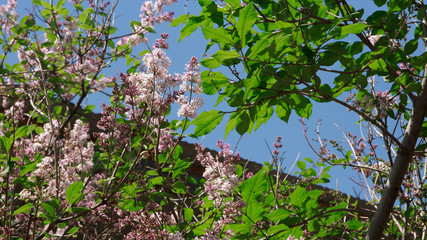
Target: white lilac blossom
[(190, 81), (154, 87), (9, 15), (374, 38), (220, 175), (221, 181), (75, 161)]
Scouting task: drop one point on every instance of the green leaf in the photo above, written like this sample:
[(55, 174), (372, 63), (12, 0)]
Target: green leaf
[(73, 192), (231, 124), (242, 123), (191, 26), (355, 48), (247, 18), (301, 165), (411, 46), (218, 35), (50, 210), (308, 53), (239, 171), (213, 82), (379, 66), (7, 167), (355, 224), (78, 7), (379, 3), (283, 111), (299, 196), (314, 226), (29, 167), (84, 19), (7, 143), (254, 211), (73, 230), (79, 209), (206, 122), (222, 55), (89, 108), (253, 187), (304, 108), (277, 228), (204, 3), (349, 29), (60, 3), (157, 180), (331, 4), (210, 62), (181, 19), (180, 168), (23, 209), (240, 228), (233, 3), (46, 4), (149, 29), (179, 188), (188, 214), (278, 214), (37, 2)]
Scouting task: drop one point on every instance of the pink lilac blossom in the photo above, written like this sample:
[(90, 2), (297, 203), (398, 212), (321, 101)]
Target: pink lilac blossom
[(190, 81), (145, 225), (294, 238), (165, 140), (74, 163), (8, 15), (221, 181), (16, 112), (153, 12), (101, 83), (277, 145), (231, 210), (74, 2), (111, 128), (405, 67), (154, 87)]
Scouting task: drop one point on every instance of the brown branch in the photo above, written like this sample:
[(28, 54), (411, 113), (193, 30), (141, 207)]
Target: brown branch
[(403, 159)]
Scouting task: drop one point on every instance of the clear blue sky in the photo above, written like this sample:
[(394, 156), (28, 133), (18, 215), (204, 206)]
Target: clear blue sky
[(250, 146)]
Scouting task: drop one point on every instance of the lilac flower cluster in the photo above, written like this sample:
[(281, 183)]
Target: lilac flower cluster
[(154, 88), (221, 181), (8, 15), (74, 163), (16, 112), (220, 175), (145, 225), (111, 128), (277, 145), (190, 81)]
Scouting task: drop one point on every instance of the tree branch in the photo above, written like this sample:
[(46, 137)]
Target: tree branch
[(403, 158)]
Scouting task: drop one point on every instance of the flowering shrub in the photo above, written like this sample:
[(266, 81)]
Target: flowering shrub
[(59, 178)]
